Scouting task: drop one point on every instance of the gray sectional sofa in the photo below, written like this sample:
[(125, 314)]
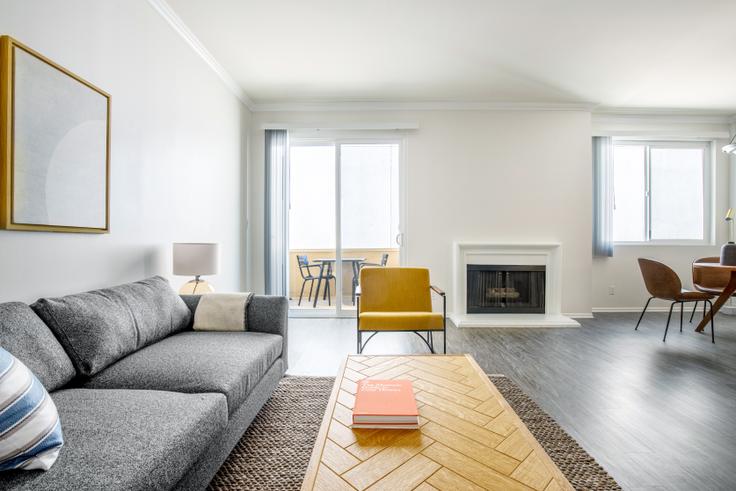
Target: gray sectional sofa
[(145, 402)]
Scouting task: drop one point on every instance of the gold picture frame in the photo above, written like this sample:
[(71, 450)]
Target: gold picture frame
[(54, 146)]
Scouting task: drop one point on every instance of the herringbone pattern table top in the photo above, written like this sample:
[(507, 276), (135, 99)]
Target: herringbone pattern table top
[(470, 438)]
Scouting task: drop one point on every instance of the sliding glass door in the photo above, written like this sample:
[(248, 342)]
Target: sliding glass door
[(369, 210), (344, 214)]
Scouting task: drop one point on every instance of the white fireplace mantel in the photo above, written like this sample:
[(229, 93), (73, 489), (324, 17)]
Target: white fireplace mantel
[(533, 254)]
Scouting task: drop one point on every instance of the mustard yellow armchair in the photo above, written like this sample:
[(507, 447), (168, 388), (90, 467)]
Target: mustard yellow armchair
[(399, 300)]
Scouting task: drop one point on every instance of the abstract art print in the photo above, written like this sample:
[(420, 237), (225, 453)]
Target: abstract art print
[(54, 144)]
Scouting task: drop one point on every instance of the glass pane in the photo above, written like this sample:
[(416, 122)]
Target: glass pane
[(629, 187), (677, 193), (369, 209), (312, 226)]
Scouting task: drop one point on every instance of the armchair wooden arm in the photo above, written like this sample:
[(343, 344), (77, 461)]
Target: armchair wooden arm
[(437, 290)]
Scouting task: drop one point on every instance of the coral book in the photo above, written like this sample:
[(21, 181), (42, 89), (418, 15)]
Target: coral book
[(385, 404)]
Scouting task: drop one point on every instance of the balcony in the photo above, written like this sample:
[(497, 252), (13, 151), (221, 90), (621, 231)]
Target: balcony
[(295, 278)]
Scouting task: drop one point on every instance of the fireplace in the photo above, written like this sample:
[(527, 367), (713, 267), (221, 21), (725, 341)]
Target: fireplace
[(505, 289)]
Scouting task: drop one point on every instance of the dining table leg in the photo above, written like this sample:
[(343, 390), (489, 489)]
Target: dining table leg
[(722, 298), (319, 282)]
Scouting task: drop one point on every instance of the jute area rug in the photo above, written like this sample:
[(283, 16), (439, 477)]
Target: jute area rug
[(274, 452)]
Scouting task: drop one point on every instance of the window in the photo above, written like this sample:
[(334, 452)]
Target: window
[(661, 192)]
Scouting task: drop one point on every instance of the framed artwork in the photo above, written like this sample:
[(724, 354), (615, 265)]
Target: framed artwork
[(54, 146)]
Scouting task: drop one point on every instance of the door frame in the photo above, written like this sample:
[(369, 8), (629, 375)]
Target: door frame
[(337, 138)]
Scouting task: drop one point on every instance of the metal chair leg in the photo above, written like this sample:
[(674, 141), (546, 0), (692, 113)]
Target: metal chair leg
[(301, 292), (360, 348), (693, 314), (682, 309), (712, 331), (311, 286), (444, 341), (668, 322), (642, 313), (328, 293)]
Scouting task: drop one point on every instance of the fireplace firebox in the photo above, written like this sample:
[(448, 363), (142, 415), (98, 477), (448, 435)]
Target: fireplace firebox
[(505, 289)]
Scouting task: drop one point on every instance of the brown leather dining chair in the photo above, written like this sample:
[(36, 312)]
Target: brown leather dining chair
[(709, 280), (663, 283)]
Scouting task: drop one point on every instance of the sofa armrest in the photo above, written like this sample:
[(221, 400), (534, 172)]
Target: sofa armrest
[(192, 301), (268, 314)]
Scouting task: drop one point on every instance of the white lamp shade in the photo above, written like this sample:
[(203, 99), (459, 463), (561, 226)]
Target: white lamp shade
[(194, 259), (730, 148)]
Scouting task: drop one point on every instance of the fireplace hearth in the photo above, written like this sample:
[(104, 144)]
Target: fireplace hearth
[(505, 289)]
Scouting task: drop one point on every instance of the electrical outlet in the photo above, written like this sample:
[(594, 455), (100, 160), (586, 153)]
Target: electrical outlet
[(611, 290)]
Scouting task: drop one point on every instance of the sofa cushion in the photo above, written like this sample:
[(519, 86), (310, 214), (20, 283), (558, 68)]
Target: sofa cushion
[(126, 439), (231, 363), (98, 328), (27, 338), (30, 432)]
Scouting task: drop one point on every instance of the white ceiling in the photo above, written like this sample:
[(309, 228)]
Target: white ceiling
[(618, 53)]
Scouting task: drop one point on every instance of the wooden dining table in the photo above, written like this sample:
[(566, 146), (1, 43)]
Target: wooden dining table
[(728, 290)]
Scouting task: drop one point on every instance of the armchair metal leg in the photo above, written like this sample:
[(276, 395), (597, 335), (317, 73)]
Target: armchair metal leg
[(712, 331), (311, 286), (427, 340), (695, 307), (668, 322), (642, 313), (357, 326), (682, 308), (444, 324)]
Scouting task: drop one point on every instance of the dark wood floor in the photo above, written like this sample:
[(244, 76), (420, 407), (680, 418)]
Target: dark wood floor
[(655, 415)]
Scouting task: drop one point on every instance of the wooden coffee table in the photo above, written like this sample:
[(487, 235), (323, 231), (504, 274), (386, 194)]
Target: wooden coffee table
[(469, 438)]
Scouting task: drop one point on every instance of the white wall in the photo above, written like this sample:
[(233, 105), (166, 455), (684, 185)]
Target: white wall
[(475, 175), (179, 146)]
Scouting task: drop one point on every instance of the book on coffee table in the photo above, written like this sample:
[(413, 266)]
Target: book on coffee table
[(387, 404)]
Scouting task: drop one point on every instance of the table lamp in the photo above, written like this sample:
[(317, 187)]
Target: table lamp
[(728, 251), (196, 259)]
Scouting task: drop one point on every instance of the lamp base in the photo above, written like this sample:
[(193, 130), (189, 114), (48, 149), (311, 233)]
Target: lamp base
[(196, 287), (728, 254)]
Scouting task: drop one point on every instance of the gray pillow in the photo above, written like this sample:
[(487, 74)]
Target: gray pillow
[(100, 327), (27, 338)]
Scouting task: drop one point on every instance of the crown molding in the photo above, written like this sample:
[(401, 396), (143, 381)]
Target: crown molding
[(165, 11), (658, 115), (418, 106), (661, 117)]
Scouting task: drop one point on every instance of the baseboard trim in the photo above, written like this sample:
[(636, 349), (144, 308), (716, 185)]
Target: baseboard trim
[(579, 315)]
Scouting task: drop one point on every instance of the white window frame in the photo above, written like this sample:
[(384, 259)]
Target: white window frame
[(708, 187)]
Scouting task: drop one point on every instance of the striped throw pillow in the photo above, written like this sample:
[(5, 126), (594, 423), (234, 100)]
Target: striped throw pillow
[(30, 430)]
